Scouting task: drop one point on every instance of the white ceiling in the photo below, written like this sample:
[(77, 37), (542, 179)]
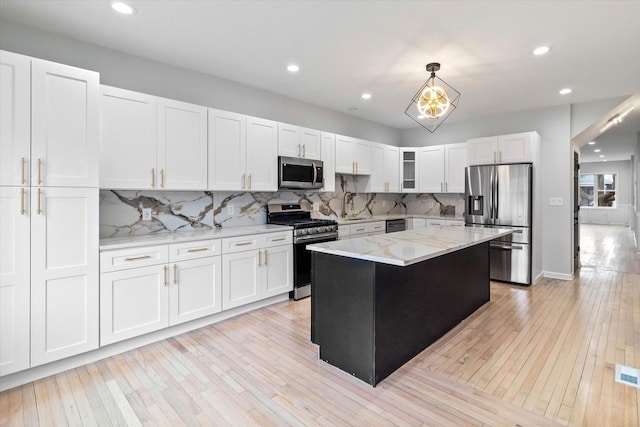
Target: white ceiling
[(346, 47)]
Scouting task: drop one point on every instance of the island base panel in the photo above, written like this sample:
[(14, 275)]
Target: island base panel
[(371, 318)]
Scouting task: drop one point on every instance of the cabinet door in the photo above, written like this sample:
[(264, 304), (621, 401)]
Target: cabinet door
[(14, 279), (262, 155), (345, 162), (195, 289), (133, 302), (240, 279), (419, 223), (514, 148), (64, 125), (127, 139), (455, 161), (378, 178), (181, 145), (431, 169), (289, 144), (329, 161), (409, 170), (15, 118), (227, 145), (278, 262), (392, 168), (310, 142), (482, 151), (64, 273), (362, 157)]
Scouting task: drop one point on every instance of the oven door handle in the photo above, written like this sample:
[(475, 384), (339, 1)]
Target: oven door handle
[(315, 237)]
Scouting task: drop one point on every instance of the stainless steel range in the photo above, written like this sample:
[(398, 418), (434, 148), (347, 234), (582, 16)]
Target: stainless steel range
[(306, 230)]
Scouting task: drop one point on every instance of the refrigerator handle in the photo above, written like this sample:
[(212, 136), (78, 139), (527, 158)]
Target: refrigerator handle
[(495, 197), (492, 196)]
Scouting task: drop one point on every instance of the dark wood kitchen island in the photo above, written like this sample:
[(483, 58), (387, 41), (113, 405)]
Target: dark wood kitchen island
[(378, 301)]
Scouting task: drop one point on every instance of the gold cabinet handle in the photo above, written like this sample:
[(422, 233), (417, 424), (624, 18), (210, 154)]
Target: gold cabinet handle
[(357, 167), (39, 171), (304, 150), (249, 181), (153, 177), (136, 258), (279, 239), (164, 270), (243, 176), (299, 155), (353, 167), (259, 259), (39, 210), (197, 250), (242, 243), (446, 187), (22, 201), (494, 157), (23, 161), (175, 274), (162, 178), (265, 258)]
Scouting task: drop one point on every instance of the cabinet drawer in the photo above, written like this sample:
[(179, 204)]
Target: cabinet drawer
[(278, 239), (242, 243), (193, 250), (454, 223), (368, 227), (122, 259)]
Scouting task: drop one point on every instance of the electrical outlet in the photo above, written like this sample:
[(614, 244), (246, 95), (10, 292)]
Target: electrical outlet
[(230, 209), (316, 206), (146, 214), (556, 201)]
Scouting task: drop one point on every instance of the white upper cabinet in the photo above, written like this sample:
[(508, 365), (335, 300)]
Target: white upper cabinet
[(328, 161), (64, 125), (442, 168), (455, 162), (15, 285), (353, 156), (15, 119), (148, 142), (182, 145), (513, 148), (384, 166), (243, 152), (262, 157), (296, 141), (127, 139)]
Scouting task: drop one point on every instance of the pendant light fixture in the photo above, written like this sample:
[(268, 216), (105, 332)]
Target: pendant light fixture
[(434, 102)]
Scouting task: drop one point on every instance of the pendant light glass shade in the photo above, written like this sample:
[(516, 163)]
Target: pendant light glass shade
[(434, 102)]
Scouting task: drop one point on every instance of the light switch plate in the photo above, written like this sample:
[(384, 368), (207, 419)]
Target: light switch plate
[(146, 214), (230, 209), (556, 201)]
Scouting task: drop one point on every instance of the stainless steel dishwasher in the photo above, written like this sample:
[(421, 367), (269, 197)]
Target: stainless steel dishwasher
[(394, 225)]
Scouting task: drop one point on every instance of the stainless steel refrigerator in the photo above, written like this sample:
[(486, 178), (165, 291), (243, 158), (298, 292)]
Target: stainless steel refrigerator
[(501, 196)]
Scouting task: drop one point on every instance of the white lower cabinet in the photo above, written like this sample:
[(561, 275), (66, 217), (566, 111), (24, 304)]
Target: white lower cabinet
[(182, 283), (258, 267), (450, 222)]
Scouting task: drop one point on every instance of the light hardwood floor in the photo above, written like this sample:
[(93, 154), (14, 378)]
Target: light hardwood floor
[(543, 355)]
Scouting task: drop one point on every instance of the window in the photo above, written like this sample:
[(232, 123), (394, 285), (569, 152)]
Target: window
[(598, 190)]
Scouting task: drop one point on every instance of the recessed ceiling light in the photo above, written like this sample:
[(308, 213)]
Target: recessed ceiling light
[(122, 7), (366, 96), (293, 68), (421, 117), (541, 50), (591, 143), (601, 155), (565, 91), (597, 150), (604, 160)]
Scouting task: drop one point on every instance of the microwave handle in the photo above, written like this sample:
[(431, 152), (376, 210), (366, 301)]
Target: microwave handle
[(315, 173)]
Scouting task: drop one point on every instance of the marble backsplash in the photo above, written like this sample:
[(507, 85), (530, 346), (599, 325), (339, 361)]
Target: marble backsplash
[(121, 210)]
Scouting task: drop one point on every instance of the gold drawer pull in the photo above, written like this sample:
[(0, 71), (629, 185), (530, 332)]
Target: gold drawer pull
[(175, 274), (153, 177), (39, 210), (22, 201), (197, 250), (161, 178), (279, 239), (359, 229), (22, 164), (165, 270), (243, 244), (39, 171), (135, 258)]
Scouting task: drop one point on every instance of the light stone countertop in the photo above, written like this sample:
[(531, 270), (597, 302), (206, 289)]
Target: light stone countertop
[(409, 247), (187, 236), (347, 221)]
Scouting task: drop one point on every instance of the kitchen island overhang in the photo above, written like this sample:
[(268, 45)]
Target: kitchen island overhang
[(379, 301)]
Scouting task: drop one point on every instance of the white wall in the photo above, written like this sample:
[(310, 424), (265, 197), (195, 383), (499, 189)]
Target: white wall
[(621, 214), (554, 126), (143, 75), (587, 113)]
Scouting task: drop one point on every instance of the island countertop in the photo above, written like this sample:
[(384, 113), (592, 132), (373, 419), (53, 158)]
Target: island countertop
[(411, 246)]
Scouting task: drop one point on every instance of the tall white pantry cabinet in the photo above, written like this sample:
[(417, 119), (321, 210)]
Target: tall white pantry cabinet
[(48, 211)]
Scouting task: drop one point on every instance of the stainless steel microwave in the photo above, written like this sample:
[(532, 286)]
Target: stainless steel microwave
[(297, 173)]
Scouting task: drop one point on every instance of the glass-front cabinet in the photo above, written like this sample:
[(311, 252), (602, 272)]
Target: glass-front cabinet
[(409, 170)]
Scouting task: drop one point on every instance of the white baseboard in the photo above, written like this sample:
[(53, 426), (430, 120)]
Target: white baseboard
[(538, 278), (39, 372), (560, 276)]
